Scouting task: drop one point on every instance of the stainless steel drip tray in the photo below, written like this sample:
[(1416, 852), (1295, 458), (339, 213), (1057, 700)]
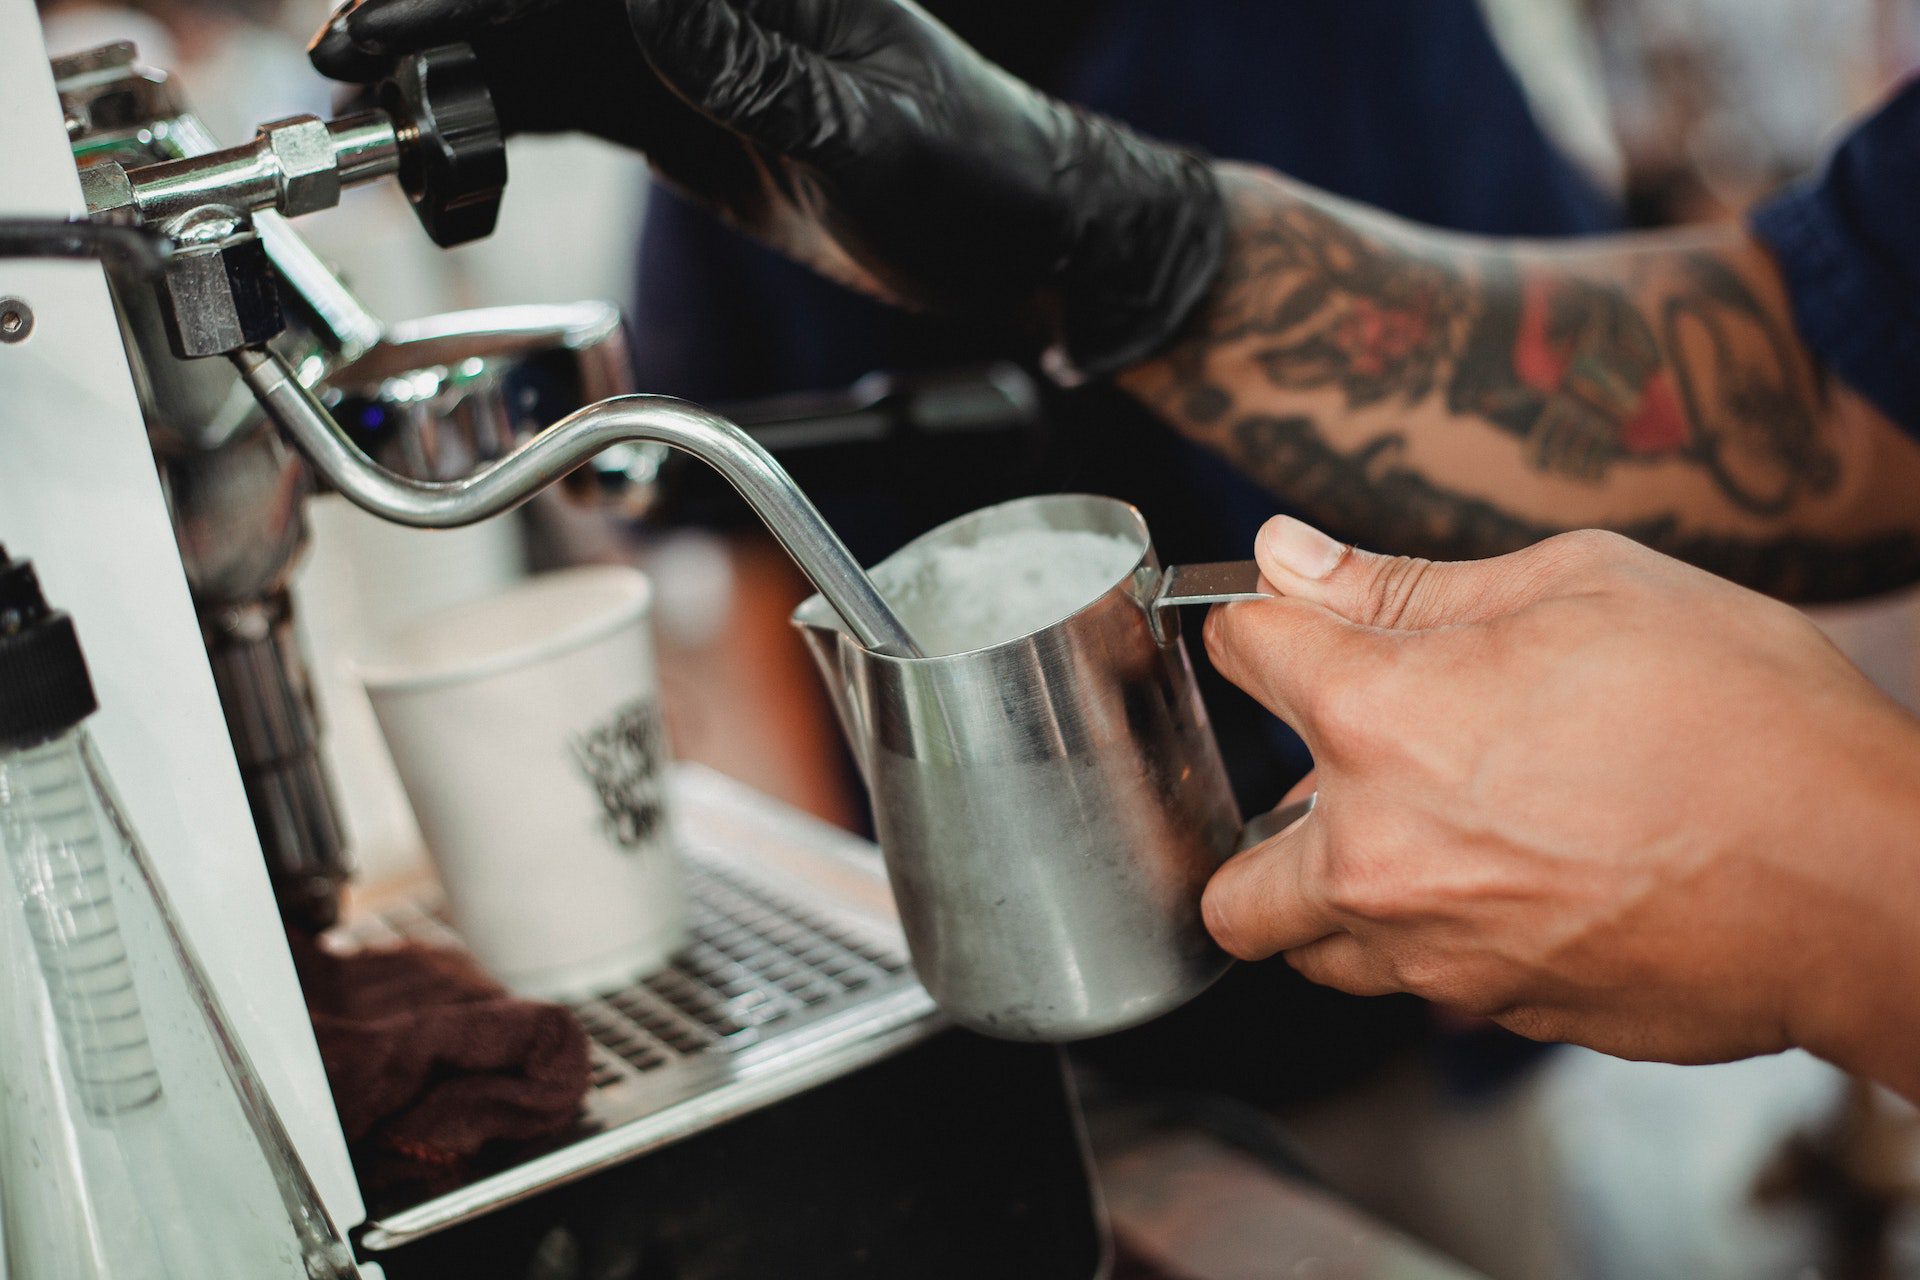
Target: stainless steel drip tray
[(796, 973)]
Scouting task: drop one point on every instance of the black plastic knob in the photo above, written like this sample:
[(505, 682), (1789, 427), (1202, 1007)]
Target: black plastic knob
[(453, 157)]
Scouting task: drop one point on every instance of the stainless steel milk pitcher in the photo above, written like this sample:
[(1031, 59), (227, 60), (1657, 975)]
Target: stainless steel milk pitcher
[(1050, 807)]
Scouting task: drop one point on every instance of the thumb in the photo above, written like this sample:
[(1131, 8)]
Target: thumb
[(1393, 592)]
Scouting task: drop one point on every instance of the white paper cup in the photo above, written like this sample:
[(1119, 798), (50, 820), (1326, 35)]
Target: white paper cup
[(526, 728)]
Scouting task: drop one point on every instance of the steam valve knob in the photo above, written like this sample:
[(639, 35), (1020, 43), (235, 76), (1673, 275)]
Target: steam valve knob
[(453, 158)]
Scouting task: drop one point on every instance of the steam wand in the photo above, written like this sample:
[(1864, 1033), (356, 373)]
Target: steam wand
[(437, 131), (505, 484)]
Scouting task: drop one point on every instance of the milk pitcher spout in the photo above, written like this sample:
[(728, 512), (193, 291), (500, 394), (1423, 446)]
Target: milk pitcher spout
[(1051, 806), (838, 656)]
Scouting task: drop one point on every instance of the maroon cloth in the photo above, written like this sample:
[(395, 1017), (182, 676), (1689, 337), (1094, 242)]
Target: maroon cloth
[(1131, 1264), (433, 1064)]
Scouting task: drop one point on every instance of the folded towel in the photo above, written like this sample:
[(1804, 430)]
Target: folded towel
[(433, 1065)]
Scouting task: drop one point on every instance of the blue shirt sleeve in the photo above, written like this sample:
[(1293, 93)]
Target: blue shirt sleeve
[(1848, 243)]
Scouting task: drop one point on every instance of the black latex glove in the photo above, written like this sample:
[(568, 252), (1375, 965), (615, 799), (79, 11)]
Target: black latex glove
[(552, 66), (863, 138)]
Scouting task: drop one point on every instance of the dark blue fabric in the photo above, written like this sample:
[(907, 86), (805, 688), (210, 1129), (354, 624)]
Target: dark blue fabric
[(1405, 104), (1848, 243)]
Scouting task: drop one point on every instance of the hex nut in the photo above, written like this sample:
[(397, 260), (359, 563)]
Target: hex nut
[(302, 150), (220, 297), (109, 193)]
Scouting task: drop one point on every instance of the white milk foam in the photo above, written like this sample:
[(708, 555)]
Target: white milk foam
[(956, 599)]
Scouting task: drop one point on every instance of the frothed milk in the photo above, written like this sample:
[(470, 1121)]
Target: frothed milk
[(956, 599)]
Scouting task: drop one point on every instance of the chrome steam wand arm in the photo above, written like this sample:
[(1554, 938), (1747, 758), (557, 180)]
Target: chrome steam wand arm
[(510, 481)]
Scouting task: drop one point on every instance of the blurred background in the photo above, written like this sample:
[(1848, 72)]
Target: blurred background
[(1542, 117)]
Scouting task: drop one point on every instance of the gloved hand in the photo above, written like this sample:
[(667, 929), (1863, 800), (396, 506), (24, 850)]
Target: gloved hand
[(552, 66), (863, 138)]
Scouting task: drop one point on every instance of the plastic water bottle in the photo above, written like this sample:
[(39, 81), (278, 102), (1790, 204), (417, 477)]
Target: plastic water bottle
[(135, 1137)]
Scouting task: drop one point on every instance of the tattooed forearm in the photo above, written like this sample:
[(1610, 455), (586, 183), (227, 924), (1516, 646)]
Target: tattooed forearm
[(1374, 493), (1568, 364), (1329, 307), (1756, 431), (1335, 342), (1572, 367)]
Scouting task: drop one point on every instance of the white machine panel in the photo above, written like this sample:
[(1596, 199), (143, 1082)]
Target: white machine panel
[(79, 495)]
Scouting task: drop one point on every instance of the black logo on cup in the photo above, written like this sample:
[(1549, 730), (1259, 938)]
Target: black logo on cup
[(622, 760)]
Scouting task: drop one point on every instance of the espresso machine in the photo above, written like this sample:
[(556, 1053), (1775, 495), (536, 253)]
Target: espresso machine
[(784, 1100)]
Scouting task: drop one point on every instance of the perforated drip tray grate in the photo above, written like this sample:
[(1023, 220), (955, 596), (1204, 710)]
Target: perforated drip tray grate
[(795, 973)]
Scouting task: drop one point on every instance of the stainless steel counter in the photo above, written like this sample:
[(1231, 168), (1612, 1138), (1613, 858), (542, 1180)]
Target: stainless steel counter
[(1199, 1210)]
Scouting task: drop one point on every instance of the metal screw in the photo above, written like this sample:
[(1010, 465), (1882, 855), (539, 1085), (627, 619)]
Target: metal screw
[(16, 320)]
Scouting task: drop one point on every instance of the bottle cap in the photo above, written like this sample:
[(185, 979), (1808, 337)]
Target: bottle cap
[(44, 686)]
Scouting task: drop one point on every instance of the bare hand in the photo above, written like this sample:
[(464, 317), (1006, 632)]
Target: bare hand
[(1588, 791)]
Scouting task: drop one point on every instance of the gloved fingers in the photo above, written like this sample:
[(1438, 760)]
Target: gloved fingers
[(334, 53), (808, 23), (362, 39), (749, 76)]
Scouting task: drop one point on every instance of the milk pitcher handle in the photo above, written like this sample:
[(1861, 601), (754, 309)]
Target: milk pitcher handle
[(1217, 582)]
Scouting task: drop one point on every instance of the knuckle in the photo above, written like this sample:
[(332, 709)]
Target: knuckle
[(1588, 549), (1534, 1022), (1343, 712), (1485, 999), (1317, 965), (1421, 972), (1358, 886), (1393, 590), (1594, 542), (1465, 980), (1582, 559)]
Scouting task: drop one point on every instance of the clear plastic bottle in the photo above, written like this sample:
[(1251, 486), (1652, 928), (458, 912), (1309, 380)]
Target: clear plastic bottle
[(135, 1137)]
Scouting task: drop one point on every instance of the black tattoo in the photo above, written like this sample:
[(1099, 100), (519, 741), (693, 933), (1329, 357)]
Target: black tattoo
[(1344, 311), (1570, 365), (1377, 494), (1574, 367), (1757, 431)]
